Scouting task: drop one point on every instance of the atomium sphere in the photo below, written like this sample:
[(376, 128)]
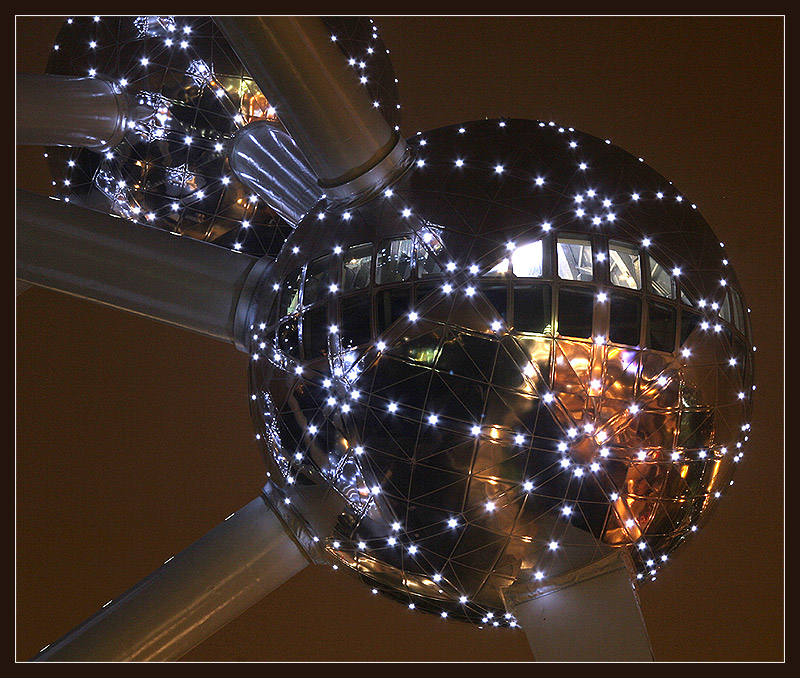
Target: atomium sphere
[(193, 98), (529, 352)]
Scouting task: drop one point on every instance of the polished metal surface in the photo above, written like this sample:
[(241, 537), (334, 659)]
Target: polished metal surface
[(183, 282), (92, 113), (189, 597), (266, 159), (171, 167), (518, 358), (339, 128)]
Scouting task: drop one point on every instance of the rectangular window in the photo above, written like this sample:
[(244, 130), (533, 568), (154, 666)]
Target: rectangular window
[(739, 311), (625, 322), (527, 260), (661, 281), (575, 308), (661, 327), (499, 269), (427, 262), (689, 320), (316, 282), (287, 338), (394, 260), (497, 294), (725, 309), (624, 268), (390, 305), (356, 267), (532, 312), (315, 333), (355, 329), (290, 293), (574, 259)]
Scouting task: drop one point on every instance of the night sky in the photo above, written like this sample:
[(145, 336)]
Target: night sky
[(133, 439)]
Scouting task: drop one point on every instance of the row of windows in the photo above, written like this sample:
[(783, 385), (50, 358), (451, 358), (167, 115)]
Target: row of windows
[(405, 259), (538, 308)]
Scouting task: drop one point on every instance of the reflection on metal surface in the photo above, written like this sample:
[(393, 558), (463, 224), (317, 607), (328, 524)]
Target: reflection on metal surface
[(266, 159), (479, 454), (170, 168)]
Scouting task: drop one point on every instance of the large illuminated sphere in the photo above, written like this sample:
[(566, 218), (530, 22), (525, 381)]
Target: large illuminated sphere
[(530, 351)]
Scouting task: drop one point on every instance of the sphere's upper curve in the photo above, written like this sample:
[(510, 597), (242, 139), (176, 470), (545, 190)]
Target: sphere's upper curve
[(529, 351)]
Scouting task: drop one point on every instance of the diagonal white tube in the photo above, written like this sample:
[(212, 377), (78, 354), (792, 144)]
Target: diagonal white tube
[(191, 596)]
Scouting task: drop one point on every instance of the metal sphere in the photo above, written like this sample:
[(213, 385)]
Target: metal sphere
[(529, 351)]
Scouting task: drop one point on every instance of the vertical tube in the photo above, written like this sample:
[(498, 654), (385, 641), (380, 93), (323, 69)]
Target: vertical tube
[(593, 616), (303, 74), (148, 271), (191, 596)]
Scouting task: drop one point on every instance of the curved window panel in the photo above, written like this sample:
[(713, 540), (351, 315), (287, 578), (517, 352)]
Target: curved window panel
[(575, 308), (287, 338), (625, 321), (527, 260), (316, 280), (390, 304), (574, 259), (315, 333), (689, 320), (356, 267), (625, 267), (497, 294), (738, 310), (394, 260), (501, 268), (290, 294), (725, 309), (355, 326), (661, 327), (661, 281), (532, 311), (427, 261)]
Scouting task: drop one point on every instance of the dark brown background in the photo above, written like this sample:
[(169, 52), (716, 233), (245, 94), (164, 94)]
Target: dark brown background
[(133, 439)]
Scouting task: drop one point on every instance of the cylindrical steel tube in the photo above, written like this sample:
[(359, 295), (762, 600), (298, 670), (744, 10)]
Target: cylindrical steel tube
[(305, 77), (145, 270), (59, 110), (592, 615), (191, 596)]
